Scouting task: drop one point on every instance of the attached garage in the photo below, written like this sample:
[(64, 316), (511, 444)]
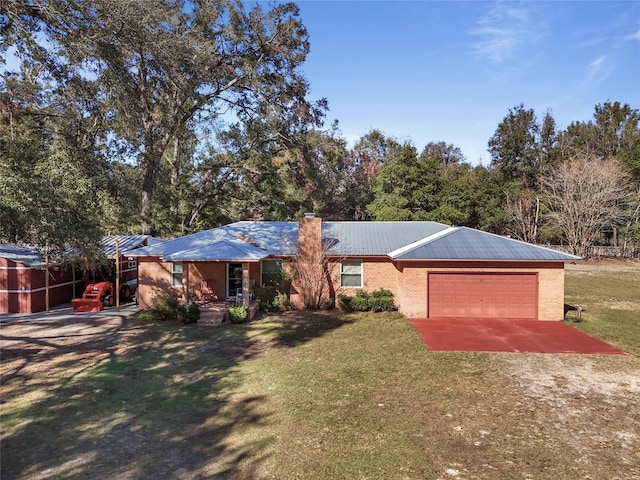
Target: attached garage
[(483, 295)]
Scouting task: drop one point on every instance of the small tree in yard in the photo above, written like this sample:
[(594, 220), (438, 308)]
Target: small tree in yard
[(315, 274), (584, 196)]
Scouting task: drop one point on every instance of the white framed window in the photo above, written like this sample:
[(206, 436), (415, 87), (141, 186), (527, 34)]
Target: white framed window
[(272, 273), (176, 274), (351, 274), (132, 263)]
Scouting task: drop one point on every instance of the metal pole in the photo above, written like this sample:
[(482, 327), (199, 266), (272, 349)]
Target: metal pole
[(117, 292), (46, 277)]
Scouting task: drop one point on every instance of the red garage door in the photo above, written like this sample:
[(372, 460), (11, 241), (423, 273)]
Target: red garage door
[(488, 295)]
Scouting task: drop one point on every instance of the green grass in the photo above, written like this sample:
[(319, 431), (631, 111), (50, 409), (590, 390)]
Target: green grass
[(294, 396), (612, 305)]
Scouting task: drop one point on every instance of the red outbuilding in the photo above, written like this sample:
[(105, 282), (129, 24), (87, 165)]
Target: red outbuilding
[(23, 274)]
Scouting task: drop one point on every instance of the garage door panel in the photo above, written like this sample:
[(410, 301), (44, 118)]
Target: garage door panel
[(492, 295)]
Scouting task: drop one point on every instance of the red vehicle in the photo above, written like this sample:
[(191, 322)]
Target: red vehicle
[(99, 295)]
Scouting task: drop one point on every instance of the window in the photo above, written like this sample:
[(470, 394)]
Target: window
[(132, 263), (234, 279), (351, 273), (176, 274), (272, 274)]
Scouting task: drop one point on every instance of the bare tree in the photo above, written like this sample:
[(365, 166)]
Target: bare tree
[(524, 211), (316, 274), (584, 196)]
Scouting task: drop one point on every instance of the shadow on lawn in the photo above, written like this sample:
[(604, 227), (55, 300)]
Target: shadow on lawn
[(140, 400)]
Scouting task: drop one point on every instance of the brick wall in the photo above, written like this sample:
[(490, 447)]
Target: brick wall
[(154, 277)]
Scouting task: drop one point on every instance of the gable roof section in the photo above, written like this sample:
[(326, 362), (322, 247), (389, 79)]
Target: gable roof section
[(230, 250), (375, 238), (463, 243), (240, 241)]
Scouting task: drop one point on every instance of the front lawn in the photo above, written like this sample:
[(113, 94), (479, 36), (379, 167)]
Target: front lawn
[(311, 396)]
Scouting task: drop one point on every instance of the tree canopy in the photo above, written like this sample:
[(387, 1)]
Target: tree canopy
[(168, 117)]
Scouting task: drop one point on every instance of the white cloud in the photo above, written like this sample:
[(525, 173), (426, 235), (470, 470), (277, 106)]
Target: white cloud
[(504, 30), (598, 69)]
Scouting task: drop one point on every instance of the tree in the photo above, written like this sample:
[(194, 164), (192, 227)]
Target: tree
[(405, 186), (489, 213), (315, 272), (613, 132), (524, 215), (162, 68), (454, 204), (52, 183), (514, 146), (584, 196), (361, 165)]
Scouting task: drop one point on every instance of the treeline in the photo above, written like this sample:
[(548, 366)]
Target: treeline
[(151, 117)]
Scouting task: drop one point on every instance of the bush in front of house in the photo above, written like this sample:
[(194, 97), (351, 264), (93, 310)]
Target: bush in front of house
[(189, 313), (273, 299), (164, 306), (381, 301), (377, 301), (238, 313), (360, 302)]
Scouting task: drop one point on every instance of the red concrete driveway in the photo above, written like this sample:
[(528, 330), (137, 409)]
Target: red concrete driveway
[(492, 335)]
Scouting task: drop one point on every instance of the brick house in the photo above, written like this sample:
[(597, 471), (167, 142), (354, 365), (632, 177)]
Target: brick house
[(433, 270)]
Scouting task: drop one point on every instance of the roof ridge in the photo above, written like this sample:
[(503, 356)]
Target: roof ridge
[(424, 241)]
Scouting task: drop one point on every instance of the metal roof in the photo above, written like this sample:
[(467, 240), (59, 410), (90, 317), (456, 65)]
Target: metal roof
[(224, 250), (270, 238), (253, 241), (33, 256), (26, 254), (125, 242), (463, 243), (375, 238)]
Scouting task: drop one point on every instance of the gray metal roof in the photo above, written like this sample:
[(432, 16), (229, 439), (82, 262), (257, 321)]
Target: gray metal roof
[(272, 238), (253, 241), (375, 238), (33, 256), (125, 242), (463, 243), (224, 250), (25, 254)]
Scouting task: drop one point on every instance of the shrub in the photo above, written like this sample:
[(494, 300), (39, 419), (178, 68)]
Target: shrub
[(381, 301), (327, 304), (281, 302), (344, 302), (273, 299), (378, 301), (165, 306), (189, 313), (238, 313), (360, 302)]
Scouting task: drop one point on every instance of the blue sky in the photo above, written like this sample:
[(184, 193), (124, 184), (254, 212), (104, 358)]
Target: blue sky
[(450, 70)]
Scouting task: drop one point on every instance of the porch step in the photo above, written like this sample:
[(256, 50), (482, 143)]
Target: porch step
[(212, 317)]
